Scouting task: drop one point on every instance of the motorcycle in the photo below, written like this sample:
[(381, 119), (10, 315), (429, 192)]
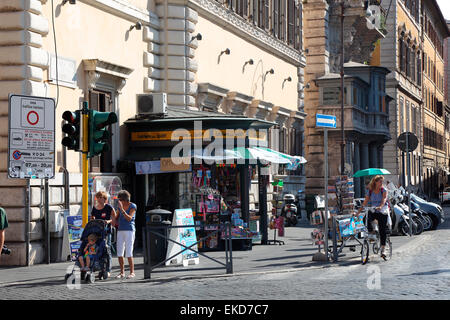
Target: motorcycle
[(417, 223), (433, 210), (400, 213), (422, 215), (289, 210)]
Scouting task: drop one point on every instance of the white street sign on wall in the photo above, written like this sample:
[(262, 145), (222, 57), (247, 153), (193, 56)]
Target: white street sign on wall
[(31, 140)]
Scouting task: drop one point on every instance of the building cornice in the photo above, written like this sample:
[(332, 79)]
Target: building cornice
[(127, 11), (215, 11)]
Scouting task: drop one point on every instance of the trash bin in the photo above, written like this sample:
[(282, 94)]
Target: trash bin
[(158, 221)]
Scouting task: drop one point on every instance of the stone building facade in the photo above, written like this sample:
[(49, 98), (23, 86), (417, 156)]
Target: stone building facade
[(109, 51), (417, 70), (322, 78), (435, 161)]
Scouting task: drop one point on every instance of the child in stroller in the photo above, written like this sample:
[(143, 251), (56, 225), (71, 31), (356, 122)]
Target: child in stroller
[(89, 252), (95, 230)]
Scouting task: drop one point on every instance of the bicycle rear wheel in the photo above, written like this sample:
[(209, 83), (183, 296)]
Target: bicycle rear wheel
[(388, 249)]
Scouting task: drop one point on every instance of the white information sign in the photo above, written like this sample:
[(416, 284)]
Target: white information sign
[(186, 236), (31, 140)]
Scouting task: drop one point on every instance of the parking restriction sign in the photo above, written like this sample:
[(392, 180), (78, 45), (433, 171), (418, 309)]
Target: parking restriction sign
[(31, 139)]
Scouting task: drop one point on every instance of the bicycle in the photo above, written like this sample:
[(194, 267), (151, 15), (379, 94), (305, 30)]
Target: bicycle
[(375, 241), (351, 230)]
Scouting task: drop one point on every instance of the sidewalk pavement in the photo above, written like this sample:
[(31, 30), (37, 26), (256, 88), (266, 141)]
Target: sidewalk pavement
[(295, 255)]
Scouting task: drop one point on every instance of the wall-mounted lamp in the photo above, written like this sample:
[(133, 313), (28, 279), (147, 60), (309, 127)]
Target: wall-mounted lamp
[(198, 37), (306, 50), (69, 1), (226, 51), (271, 71), (307, 86), (288, 79), (138, 26), (250, 62)]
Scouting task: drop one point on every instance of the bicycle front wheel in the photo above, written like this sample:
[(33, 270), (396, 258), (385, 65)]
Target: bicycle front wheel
[(365, 252)]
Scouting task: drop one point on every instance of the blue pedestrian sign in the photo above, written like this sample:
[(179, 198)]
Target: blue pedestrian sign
[(325, 121)]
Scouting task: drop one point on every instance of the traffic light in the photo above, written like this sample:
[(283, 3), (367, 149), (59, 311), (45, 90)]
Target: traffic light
[(72, 129), (98, 132)]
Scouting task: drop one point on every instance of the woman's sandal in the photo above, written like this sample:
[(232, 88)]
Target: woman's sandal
[(131, 275), (120, 276)]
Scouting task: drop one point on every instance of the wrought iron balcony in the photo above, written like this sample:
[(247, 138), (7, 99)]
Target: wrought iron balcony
[(358, 120)]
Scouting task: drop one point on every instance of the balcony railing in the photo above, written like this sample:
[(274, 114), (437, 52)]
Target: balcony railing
[(355, 119)]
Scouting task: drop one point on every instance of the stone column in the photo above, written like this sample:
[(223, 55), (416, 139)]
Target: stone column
[(373, 156), (23, 64), (315, 25), (176, 44), (364, 162), (357, 167)]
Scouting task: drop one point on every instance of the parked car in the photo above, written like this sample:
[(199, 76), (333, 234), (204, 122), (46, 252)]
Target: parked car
[(435, 210)]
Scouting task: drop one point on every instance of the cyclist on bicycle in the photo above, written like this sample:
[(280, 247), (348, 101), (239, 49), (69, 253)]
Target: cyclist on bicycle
[(376, 195)]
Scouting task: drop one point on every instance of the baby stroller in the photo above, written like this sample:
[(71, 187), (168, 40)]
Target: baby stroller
[(101, 259)]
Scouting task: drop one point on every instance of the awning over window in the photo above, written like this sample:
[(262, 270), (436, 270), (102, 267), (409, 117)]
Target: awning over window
[(250, 153)]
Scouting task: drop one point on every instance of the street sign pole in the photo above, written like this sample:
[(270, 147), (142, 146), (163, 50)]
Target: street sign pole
[(408, 166), (408, 142), (325, 145), (326, 122), (47, 221), (85, 160)]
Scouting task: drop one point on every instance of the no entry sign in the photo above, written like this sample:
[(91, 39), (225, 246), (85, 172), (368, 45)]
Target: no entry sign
[(31, 148)]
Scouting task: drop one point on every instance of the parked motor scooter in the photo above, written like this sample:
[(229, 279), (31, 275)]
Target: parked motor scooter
[(289, 210), (422, 215), (400, 217), (434, 211)]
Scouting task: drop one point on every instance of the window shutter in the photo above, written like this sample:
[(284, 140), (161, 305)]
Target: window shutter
[(276, 18), (261, 14), (267, 15), (291, 22)]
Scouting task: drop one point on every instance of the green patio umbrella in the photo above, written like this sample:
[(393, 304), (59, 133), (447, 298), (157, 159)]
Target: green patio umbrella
[(370, 172), (254, 153)]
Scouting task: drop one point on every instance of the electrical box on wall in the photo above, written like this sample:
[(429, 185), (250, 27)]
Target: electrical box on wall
[(152, 104), (56, 220)]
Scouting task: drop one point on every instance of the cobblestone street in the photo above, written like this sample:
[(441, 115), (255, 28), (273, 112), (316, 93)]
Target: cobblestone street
[(419, 269)]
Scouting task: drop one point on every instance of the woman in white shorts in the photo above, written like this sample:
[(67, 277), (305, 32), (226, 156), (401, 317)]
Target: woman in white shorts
[(126, 212)]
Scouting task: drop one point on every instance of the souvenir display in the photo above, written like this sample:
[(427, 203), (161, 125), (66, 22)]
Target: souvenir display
[(217, 198)]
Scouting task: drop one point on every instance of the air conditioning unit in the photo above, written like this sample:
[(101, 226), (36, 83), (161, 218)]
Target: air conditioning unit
[(155, 103)]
